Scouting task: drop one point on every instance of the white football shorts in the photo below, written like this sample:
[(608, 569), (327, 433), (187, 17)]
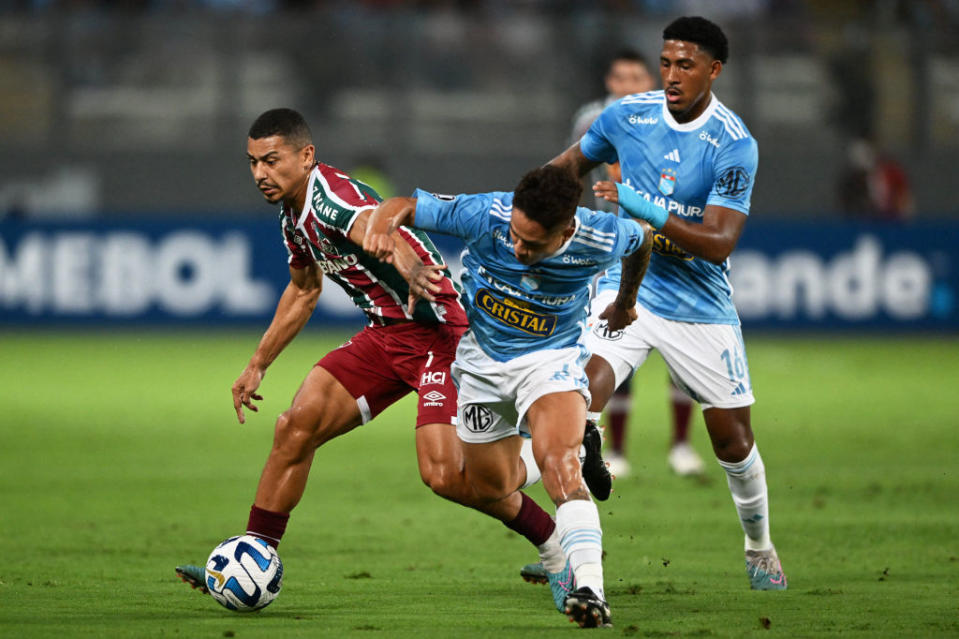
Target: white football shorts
[(494, 396), (708, 361)]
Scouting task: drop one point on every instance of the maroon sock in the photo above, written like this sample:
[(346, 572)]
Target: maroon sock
[(267, 525), (532, 522), (682, 410)]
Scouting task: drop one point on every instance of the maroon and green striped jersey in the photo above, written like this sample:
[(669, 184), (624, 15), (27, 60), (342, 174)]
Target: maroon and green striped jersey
[(319, 234)]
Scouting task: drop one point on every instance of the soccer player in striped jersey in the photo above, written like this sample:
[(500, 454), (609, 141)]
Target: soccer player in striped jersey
[(688, 166), (408, 345), (530, 256)]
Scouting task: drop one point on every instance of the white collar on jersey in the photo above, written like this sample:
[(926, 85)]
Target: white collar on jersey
[(692, 125), (566, 244)]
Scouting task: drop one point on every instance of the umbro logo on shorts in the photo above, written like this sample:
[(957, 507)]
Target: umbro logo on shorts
[(434, 398)]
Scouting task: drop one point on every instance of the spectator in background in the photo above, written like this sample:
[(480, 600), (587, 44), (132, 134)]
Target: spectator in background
[(627, 73), (873, 185)]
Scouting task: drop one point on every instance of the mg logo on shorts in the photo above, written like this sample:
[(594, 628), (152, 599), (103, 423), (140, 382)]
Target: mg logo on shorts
[(433, 378), (478, 418), (434, 398), (602, 331)]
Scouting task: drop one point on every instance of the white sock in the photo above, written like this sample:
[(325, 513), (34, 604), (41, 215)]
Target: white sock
[(551, 553), (577, 523), (593, 416), (532, 470), (747, 483)]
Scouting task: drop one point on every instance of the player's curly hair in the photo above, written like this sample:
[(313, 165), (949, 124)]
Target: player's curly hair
[(700, 31), (549, 196), (286, 123)]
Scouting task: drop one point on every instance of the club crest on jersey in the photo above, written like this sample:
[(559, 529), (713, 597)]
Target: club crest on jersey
[(667, 181), (530, 281), (515, 313)]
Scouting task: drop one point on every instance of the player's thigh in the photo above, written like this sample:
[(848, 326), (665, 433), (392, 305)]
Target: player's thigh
[(707, 361), (493, 467), (556, 422), (624, 351), (321, 410), (439, 452)]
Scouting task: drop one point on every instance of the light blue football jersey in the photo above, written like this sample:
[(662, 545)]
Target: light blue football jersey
[(681, 168), (515, 308)]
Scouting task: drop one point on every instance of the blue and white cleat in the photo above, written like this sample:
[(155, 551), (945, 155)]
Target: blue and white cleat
[(764, 570), (560, 583), (534, 573)]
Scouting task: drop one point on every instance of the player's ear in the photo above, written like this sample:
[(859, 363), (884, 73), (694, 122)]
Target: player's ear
[(309, 156), (715, 69)]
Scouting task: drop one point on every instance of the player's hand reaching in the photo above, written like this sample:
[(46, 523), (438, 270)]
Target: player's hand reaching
[(423, 278), (617, 317), (244, 391), (380, 245), (606, 190)]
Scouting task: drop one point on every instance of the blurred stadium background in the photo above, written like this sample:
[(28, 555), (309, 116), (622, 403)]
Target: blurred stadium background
[(125, 196)]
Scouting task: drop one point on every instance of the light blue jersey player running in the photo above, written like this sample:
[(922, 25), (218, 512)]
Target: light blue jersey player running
[(688, 166), (530, 256)]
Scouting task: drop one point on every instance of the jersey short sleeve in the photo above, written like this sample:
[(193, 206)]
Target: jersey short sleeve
[(595, 144), (465, 216), (337, 199), (734, 175)]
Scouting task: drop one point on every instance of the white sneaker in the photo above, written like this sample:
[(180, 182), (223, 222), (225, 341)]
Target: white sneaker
[(618, 466), (684, 460)]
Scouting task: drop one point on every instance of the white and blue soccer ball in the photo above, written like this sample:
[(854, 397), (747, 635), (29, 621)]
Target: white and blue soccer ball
[(244, 573)]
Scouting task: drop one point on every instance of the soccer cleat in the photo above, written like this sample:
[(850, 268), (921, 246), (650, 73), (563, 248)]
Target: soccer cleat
[(617, 464), (534, 573), (595, 473), (193, 575), (587, 609), (684, 460), (764, 570)]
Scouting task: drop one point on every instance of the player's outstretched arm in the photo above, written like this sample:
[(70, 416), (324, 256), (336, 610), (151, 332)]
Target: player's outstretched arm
[(421, 277), (622, 311), (292, 313), (391, 214), (573, 160)]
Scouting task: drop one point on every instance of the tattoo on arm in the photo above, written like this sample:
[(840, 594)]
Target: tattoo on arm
[(634, 268)]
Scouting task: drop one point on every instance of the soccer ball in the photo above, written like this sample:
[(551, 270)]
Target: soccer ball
[(244, 573)]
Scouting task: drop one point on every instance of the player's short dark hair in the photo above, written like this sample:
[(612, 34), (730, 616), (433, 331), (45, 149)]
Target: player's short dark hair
[(286, 123), (700, 31), (549, 196), (627, 55)]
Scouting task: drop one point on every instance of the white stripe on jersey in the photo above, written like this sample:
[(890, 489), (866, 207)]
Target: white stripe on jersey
[(328, 190), (728, 119), (734, 119), (595, 232), (587, 241), (498, 209)]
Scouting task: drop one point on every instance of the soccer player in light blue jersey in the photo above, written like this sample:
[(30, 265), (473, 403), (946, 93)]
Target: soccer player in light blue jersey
[(529, 259), (688, 167)]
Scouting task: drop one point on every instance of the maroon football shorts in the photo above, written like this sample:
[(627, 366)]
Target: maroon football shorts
[(381, 364)]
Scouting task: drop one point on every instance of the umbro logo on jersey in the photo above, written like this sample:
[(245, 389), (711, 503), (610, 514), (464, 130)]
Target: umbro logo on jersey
[(673, 155)]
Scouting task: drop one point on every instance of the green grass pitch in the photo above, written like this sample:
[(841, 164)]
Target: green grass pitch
[(120, 457)]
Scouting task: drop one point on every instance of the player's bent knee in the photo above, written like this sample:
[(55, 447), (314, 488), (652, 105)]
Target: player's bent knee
[(296, 437)]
